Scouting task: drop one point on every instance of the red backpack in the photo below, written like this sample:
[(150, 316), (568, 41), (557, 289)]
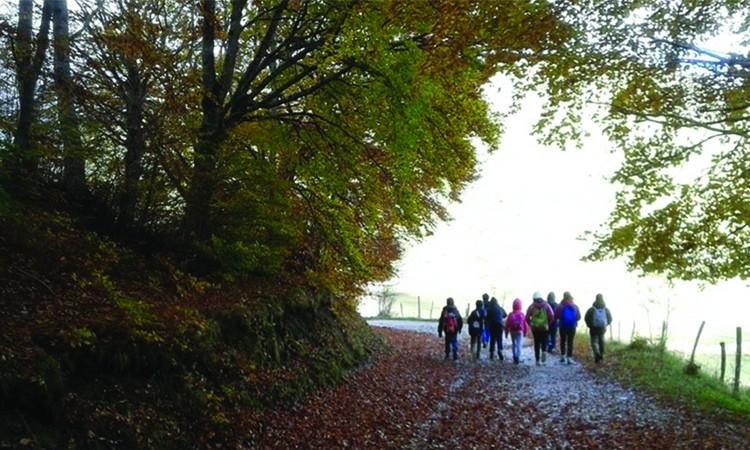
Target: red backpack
[(450, 323)]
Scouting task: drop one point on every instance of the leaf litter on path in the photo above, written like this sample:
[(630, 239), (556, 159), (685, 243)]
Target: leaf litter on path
[(411, 398)]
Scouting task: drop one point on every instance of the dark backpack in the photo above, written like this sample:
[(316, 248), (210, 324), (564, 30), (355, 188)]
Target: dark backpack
[(475, 320), (568, 316), (450, 322)]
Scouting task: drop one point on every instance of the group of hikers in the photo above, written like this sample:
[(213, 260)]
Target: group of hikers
[(544, 319)]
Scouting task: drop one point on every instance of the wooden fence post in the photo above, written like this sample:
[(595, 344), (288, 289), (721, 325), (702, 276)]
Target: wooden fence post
[(419, 308), (619, 336), (402, 309), (632, 333), (468, 305), (695, 346), (432, 305), (723, 361), (610, 333), (738, 362)]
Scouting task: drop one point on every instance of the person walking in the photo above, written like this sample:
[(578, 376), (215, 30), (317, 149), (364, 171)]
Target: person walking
[(477, 328), (485, 333), (551, 340), (598, 319), (569, 315), (495, 318), (540, 317), (517, 327), (450, 323)]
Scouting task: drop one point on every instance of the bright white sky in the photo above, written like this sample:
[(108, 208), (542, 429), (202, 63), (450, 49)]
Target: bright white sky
[(516, 231)]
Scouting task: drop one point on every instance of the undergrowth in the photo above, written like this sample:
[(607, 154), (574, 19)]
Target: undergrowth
[(104, 346)]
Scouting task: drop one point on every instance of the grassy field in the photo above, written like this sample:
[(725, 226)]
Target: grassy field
[(409, 306), (711, 365)]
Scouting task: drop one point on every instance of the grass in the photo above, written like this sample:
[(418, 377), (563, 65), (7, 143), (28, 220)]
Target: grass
[(662, 373)]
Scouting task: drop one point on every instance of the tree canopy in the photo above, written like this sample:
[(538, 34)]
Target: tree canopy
[(273, 136), (313, 136), (668, 83)]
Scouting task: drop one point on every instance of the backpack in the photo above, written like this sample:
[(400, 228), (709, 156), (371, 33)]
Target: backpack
[(568, 316), (475, 320), (515, 323), (450, 323), (539, 319), (599, 320)]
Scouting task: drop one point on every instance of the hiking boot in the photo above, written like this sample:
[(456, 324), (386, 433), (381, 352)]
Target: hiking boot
[(544, 357), (492, 356), (455, 356), (569, 361), (538, 363), (562, 359), (446, 357), (500, 356)]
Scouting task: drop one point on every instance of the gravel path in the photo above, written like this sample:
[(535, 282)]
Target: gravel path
[(411, 398)]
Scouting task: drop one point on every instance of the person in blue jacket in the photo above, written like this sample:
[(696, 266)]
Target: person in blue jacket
[(555, 324), (485, 332)]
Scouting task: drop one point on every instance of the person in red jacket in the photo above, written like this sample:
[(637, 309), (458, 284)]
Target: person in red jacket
[(568, 314)]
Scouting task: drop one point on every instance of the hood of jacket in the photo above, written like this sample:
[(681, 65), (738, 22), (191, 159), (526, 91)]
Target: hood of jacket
[(567, 301), (599, 302), (539, 301), (517, 305)]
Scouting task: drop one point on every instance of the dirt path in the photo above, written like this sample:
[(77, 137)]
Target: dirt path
[(411, 398)]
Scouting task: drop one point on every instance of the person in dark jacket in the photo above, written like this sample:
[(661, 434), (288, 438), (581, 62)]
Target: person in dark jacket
[(476, 321), (568, 314), (450, 323), (485, 333), (552, 341), (598, 319), (495, 319)]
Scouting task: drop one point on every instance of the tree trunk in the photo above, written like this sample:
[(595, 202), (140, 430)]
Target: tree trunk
[(135, 147), (28, 69), (74, 168), (211, 134)]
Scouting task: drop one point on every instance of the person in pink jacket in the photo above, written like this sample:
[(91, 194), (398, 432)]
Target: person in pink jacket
[(516, 326)]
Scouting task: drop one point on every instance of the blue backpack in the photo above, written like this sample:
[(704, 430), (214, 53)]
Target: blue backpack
[(568, 316)]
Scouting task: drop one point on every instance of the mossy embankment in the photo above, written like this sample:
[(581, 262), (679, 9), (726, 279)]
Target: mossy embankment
[(107, 345)]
